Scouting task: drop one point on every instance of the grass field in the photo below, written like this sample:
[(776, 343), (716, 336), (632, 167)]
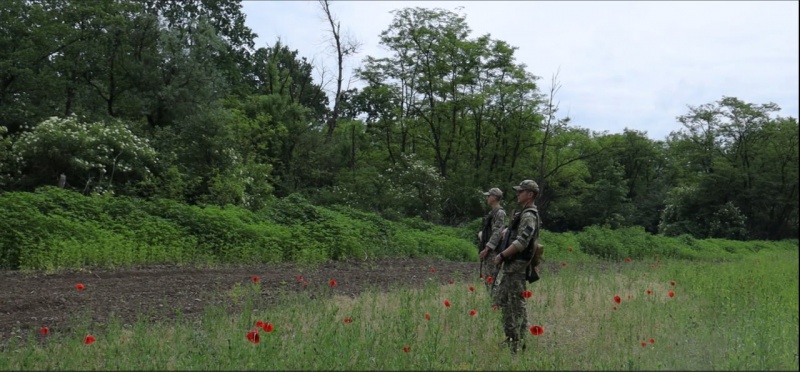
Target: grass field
[(733, 315)]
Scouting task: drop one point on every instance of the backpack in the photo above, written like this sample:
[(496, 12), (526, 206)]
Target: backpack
[(534, 249)]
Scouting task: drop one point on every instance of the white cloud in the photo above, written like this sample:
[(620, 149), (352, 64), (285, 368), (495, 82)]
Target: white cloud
[(622, 64)]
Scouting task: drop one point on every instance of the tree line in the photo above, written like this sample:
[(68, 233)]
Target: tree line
[(172, 99)]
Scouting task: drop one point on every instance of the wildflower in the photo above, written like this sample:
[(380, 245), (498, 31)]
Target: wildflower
[(305, 284), (332, 283), (80, 286), (652, 340), (472, 312), (649, 291), (427, 316), (299, 278), (672, 283), (644, 344), (471, 289), (406, 348), (494, 307), (671, 294), (89, 339), (570, 249), (267, 327), (628, 259), (537, 330), (563, 264), (446, 303), (489, 279), (44, 330), (256, 279), (433, 270), (617, 299), (614, 307), (451, 281), (527, 294), (253, 337)]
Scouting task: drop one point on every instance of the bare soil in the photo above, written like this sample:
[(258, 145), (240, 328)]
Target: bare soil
[(30, 300)]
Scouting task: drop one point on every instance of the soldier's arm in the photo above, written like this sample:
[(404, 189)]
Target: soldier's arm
[(527, 227), (497, 229)]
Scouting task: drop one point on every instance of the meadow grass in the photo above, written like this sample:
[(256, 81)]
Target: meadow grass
[(736, 315)]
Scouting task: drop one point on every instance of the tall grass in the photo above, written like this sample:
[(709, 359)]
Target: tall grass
[(737, 315)]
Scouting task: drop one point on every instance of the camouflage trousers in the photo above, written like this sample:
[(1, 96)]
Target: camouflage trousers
[(509, 297), (490, 270)]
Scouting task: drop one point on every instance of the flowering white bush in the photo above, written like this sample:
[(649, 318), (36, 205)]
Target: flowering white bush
[(82, 150)]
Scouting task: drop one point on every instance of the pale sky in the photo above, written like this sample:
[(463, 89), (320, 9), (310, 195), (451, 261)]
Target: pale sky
[(622, 64)]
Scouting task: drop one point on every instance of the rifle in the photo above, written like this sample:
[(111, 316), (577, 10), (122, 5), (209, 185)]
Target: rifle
[(504, 242)]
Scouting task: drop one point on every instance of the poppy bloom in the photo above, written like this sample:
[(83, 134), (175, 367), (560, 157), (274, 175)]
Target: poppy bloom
[(348, 320), (299, 278), (89, 339), (256, 279), (472, 312), (672, 283), (649, 291), (471, 289), (563, 264), (671, 294), (617, 299), (527, 294), (427, 316), (570, 249), (537, 330), (433, 270), (652, 340), (253, 337), (44, 330), (644, 344), (489, 279), (80, 286), (494, 307), (332, 283), (446, 303), (406, 348), (305, 283), (628, 259), (615, 307), (451, 281), (267, 327)]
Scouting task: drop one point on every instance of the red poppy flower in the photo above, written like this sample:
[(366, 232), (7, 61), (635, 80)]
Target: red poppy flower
[(299, 278), (617, 299), (672, 283), (570, 249), (89, 339), (348, 320), (472, 313), (253, 337), (615, 307), (489, 279), (256, 279), (80, 286), (433, 270), (652, 340), (44, 330), (305, 284), (267, 327), (537, 330), (628, 259), (332, 283), (427, 316), (649, 291), (644, 344), (563, 264), (451, 281), (671, 294), (406, 348), (446, 303), (494, 307), (527, 294), (471, 289)]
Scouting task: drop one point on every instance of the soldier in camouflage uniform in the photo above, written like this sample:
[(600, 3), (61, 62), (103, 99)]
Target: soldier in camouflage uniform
[(515, 258), (490, 236)]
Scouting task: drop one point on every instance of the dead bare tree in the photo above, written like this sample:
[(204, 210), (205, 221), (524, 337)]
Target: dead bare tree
[(344, 47)]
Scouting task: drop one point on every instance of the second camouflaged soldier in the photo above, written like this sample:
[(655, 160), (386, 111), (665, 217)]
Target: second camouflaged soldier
[(515, 258), (490, 236)]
